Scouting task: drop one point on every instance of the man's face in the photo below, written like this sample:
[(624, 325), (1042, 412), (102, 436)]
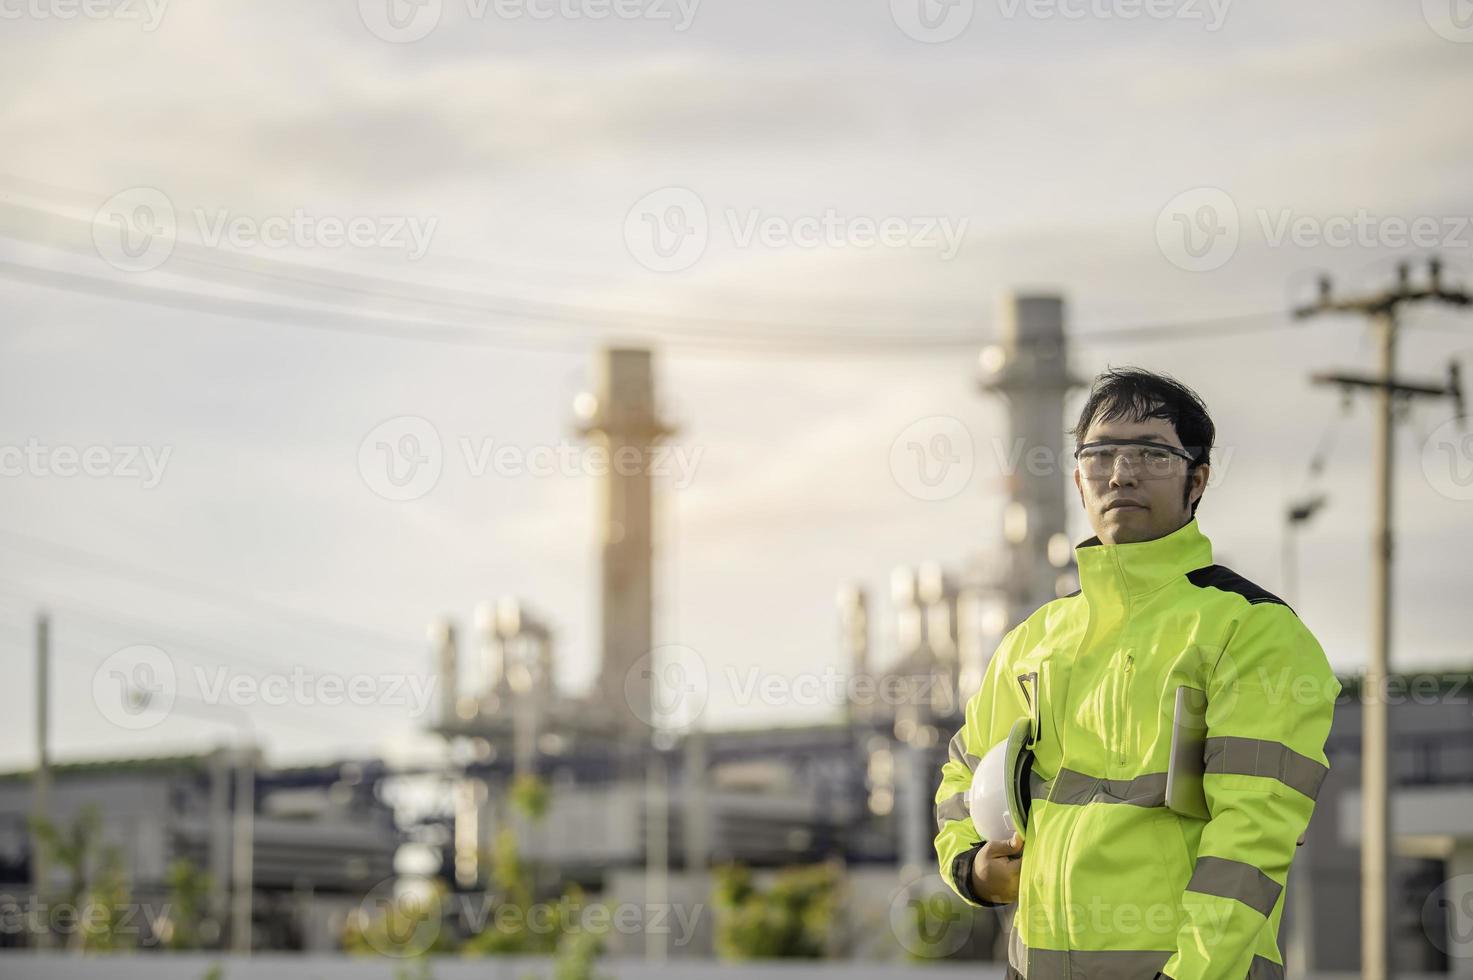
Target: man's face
[(1130, 503)]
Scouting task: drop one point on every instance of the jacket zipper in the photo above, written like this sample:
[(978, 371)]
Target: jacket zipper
[(1122, 714), (1061, 711)]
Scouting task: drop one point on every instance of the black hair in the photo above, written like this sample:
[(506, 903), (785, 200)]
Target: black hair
[(1137, 395)]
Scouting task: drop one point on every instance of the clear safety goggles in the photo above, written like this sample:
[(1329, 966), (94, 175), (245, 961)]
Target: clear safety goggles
[(1148, 460)]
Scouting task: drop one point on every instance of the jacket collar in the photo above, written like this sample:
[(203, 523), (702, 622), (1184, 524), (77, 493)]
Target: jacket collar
[(1139, 567)]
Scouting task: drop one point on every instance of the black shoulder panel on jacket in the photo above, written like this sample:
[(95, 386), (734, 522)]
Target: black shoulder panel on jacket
[(1226, 580)]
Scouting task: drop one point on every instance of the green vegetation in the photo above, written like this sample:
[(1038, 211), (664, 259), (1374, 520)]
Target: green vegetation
[(794, 919), (517, 918), (188, 909), (91, 911)]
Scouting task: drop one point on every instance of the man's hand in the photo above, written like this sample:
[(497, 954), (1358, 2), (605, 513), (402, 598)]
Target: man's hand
[(995, 870)]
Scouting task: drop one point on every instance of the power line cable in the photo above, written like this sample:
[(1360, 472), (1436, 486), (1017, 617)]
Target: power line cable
[(136, 627), (78, 558), (89, 200), (65, 618), (441, 332), (220, 266), (60, 231)]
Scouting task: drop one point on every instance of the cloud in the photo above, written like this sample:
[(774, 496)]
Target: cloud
[(1060, 143)]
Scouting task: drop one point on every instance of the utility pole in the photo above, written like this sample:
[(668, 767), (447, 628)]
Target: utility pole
[(243, 852), (657, 846), (240, 764), (40, 801), (1382, 308)]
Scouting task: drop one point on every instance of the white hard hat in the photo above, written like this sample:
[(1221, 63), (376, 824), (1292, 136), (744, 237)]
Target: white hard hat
[(998, 798)]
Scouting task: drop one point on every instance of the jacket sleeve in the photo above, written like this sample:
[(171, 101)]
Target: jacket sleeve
[(1270, 701), (957, 840)]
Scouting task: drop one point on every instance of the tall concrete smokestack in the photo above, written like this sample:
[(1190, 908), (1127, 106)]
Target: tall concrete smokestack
[(447, 668), (1028, 367), (621, 415), (854, 643)]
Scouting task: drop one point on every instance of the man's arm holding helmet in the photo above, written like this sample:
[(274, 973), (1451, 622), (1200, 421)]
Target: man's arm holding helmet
[(979, 871), (1270, 702)]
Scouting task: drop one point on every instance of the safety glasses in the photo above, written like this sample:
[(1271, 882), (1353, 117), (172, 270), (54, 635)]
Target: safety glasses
[(1147, 460)]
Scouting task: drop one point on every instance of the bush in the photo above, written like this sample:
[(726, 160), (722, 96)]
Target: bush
[(794, 919)]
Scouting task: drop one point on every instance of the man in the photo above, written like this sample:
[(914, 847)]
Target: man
[(1114, 885)]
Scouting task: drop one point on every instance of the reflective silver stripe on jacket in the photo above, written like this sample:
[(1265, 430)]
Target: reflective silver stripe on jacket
[(1077, 788), (1261, 757), (957, 751), (954, 807), (1096, 964), (1111, 964), (1238, 880), (1017, 951), (1263, 968)]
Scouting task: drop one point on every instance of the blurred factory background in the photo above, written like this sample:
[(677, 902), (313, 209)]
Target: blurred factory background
[(296, 299), (643, 799)]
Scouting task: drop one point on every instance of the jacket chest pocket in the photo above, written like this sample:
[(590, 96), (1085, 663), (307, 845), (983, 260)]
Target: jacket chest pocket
[(1117, 707), (1148, 677)]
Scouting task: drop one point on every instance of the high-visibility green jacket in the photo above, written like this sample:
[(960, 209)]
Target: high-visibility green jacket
[(1113, 884)]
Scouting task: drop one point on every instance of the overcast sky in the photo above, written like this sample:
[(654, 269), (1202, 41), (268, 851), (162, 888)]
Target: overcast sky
[(1031, 145)]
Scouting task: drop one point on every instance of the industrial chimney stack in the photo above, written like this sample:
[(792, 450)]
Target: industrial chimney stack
[(621, 416), (1029, 369)]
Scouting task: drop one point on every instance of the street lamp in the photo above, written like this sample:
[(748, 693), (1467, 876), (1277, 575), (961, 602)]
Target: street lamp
[(1298, 513)]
